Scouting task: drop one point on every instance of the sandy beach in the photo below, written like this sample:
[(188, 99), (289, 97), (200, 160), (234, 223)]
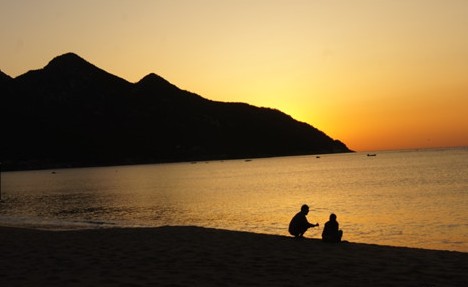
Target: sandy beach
[(195, 256)]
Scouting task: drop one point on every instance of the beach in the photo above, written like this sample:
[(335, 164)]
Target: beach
[(196, 256)]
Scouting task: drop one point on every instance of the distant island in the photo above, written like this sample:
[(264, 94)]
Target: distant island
[(73, 114)]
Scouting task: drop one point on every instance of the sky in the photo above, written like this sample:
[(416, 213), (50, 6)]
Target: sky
[(375, 74)]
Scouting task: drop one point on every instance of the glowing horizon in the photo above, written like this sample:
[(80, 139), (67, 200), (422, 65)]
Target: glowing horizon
[(377, 75)]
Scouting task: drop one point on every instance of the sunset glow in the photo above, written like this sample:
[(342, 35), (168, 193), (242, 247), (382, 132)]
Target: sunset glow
[(376, 75)]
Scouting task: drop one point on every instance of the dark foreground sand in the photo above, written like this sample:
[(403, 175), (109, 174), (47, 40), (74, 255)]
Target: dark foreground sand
[(194, 256)]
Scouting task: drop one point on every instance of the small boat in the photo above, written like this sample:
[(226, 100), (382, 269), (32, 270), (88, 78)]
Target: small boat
[(371, 154)]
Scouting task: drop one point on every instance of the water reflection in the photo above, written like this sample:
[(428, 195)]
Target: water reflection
[(386, 199)]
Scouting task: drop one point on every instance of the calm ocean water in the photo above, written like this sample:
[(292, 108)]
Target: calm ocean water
[(401, 198)]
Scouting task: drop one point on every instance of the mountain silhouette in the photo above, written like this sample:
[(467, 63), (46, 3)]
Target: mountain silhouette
[(4, 78), (71, 113)]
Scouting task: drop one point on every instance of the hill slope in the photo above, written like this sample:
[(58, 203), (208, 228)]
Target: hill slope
[(71, 113)]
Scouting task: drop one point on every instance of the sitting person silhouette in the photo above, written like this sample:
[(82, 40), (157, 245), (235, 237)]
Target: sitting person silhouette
[(331, 232), (299, 224)]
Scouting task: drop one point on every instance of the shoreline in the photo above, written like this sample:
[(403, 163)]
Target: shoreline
[(197, 256)]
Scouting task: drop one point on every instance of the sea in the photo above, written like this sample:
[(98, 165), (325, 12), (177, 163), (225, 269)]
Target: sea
[(410, 198)]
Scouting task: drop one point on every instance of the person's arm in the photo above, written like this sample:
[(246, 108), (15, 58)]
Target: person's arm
[(312, 225), (306, 223)]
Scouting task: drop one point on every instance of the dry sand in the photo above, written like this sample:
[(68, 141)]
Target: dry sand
[(194, 256)]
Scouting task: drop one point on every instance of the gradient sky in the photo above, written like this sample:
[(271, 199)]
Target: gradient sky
[(376, 74)]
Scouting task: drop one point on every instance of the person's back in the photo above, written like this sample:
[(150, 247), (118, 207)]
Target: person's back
[(331, 232)]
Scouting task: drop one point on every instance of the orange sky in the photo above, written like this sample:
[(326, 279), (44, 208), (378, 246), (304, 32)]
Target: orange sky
[(376, 74)]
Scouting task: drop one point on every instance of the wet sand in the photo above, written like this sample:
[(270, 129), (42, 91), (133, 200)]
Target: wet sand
[(195, 256)]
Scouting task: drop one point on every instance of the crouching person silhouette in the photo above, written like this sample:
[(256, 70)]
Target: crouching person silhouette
[(299, 224), (331, 232)]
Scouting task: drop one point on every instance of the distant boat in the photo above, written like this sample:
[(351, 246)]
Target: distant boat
[(371, 154)]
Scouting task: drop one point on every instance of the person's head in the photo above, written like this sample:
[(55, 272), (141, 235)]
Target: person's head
[(332, 217), (305, 209)]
